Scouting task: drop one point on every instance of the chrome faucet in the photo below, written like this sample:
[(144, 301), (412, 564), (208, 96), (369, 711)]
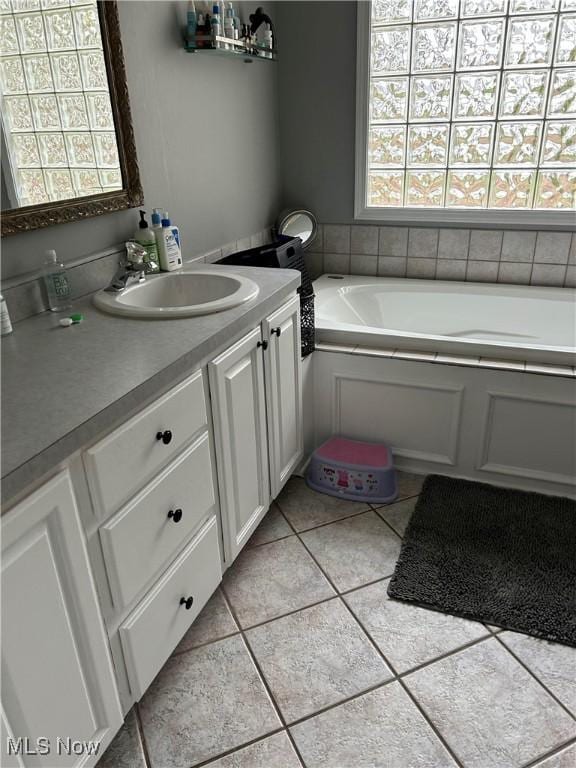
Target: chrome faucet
[(132, 268), (128, 273)]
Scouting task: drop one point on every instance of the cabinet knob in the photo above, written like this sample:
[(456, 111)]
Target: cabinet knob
[(175, 514), (263, 344), (187, 602), (165, 436), (276, 331)]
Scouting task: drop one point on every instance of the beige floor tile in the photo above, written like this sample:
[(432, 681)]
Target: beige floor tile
[(398, 514), (382, 729), (306, 508), (406, 634), (203, 703), (125, 750), (553, 664), (355, 551), (565, 758), (275, 751), (274, 579), (409, 484), (272, 528), (315, 658), (489, 709), (214, 622)]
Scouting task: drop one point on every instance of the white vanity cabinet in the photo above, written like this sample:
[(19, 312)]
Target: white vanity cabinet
[(240, 431), (167, 499), (257, 412), (57, 676), (161, 549), (283, 375)]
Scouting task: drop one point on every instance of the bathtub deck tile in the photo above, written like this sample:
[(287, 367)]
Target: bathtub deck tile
[(550, 370), (409, 354), (374, 351), (508, 365), (325, 346), (456, 359)]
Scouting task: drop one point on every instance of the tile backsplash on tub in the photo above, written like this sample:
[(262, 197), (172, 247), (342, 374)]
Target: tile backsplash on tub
[(477, 255)]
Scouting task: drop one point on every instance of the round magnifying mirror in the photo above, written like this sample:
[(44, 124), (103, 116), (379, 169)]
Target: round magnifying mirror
[(298, 223)]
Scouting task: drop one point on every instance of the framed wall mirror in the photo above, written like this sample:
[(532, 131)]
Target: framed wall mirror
[(68, 148)]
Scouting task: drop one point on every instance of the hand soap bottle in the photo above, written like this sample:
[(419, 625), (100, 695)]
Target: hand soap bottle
[(169, 245), (58, 289), (147, 239)]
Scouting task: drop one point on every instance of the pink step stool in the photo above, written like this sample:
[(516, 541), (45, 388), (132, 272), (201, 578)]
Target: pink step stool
[(354, 470)]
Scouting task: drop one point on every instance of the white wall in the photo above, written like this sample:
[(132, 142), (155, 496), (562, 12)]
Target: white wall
[(207, 140)]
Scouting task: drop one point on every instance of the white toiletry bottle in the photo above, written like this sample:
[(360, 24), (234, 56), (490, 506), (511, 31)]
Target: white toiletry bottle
[(147, 239), (229, 23), (191, 26), (268, 42), (5, 324), (157, 226), (216, 25), (169, 245), (57, 282)]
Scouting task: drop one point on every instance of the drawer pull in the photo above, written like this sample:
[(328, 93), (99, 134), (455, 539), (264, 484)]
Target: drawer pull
[(175, 514), (263, 344), (165, 436), (276, 331), (187, 602)]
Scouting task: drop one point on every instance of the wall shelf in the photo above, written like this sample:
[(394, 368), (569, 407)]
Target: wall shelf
[(233, 49)]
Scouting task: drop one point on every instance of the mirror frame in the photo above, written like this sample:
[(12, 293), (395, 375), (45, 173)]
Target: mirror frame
[(131, 195)]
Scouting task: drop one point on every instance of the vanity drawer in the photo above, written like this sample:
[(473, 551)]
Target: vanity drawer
[(157, 625), (124, 461), (142, 537)]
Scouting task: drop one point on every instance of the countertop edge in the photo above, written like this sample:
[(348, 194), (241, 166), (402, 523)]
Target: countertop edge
[(40, 466)]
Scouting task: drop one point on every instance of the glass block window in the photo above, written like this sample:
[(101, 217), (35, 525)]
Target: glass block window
[(472, 104), (56, 112)]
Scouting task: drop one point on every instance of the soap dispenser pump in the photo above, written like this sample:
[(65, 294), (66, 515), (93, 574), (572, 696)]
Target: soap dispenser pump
[(147, 239)]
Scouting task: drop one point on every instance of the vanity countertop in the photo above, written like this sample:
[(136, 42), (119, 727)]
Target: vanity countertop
[(64, 387)]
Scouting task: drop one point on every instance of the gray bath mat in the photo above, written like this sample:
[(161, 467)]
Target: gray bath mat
[(495, 555)]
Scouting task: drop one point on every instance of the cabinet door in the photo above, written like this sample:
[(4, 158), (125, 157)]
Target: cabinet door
[(57, 677), (239, 412), (283, 370)]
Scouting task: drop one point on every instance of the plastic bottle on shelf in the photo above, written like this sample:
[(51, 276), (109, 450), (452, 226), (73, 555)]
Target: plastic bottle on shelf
[(216, 25), (268, 42), (229, 23), (191, 26)]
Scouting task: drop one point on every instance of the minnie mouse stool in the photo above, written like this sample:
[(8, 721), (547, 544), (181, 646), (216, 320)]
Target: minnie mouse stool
[(354, 470)]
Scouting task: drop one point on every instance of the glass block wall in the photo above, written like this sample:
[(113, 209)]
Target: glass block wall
[(472, 104), (56, 109)]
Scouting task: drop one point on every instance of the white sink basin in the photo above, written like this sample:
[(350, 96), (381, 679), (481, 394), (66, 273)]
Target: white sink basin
[(179, 294)]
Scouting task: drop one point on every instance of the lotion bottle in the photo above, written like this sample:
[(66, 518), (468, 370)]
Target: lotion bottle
[(169, 245)]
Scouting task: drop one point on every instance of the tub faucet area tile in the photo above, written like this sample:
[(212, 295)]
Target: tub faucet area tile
[(301, 660)]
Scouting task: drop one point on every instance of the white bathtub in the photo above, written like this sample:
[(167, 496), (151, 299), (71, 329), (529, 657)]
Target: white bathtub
[(499, 321)]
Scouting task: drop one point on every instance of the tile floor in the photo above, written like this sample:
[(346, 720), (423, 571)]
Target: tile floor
[(301, 659)]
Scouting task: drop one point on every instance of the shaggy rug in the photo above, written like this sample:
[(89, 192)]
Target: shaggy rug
[(495, 555)]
